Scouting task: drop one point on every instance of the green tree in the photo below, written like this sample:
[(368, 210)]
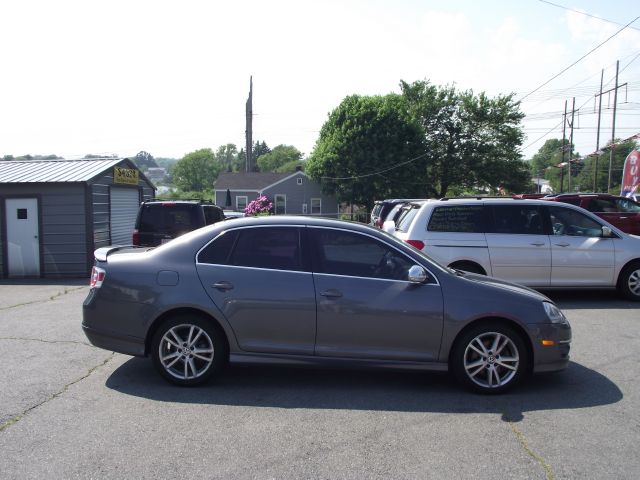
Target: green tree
[(259, 149), (545, 163), (227, 157), (361, 147), (279, 157), (291, 166), (144, 161), (196, 171), (470, 141)]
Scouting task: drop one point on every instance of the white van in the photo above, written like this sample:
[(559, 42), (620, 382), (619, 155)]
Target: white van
[(533, 242)]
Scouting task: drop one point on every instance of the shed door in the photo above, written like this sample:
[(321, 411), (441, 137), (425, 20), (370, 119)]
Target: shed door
[(124, 209), (23, 244)]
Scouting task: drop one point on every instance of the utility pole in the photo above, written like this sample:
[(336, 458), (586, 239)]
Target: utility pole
[(595, 171), (564, 126), (613, 130), (249, 127), (573, 111)]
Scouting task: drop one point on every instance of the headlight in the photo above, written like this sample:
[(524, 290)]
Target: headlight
[(554, 313)]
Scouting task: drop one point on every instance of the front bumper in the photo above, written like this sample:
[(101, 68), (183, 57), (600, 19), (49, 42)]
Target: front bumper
[(550, 358)]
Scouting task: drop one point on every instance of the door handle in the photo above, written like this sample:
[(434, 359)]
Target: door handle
[(563, 244), (223, 286), (538, 244), (331, 293)]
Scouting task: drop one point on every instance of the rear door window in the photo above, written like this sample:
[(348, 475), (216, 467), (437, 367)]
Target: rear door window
[(275, 248), (517, 219)]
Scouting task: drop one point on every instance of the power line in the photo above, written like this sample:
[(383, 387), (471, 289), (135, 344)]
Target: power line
[(378, 172), (583, 13), (579, 60)]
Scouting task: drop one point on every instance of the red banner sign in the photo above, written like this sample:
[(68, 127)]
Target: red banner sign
[(630, 174)]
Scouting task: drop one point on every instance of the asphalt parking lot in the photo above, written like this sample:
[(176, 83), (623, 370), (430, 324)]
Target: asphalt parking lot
[(69, 410)]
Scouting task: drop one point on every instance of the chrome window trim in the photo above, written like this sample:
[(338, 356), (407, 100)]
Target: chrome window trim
[(376, 279), (434, 277)]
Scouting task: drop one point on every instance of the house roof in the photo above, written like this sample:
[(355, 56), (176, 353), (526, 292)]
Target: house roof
[(252, 181), (43, 171)]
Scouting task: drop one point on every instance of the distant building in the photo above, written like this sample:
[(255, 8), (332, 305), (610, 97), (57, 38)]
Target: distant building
[(156, 174), (291, 193), (542, 185)]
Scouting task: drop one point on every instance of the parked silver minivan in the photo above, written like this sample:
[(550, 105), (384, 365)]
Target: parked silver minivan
[(532, 242)]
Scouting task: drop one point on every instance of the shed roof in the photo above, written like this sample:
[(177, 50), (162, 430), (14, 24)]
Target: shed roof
[(43, 171)]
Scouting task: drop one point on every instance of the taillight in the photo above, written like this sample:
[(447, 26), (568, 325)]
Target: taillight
[(416, 243), (97, 277), (135, 240)]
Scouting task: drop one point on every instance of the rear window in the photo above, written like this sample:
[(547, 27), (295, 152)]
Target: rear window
[(212, 215), (406, 217), (376, 210), (458, 218), (168, 218)]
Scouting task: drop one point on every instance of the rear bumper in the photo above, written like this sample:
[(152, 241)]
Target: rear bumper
[(115, 343)]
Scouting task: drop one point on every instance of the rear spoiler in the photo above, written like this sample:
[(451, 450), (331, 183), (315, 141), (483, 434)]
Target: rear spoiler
[(101, 254)]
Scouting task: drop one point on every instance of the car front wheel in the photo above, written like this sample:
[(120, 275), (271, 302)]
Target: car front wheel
[(629, 283), (489, 358), (188, 350)]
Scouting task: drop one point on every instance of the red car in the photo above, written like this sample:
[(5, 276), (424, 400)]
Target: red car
[(622, 212)]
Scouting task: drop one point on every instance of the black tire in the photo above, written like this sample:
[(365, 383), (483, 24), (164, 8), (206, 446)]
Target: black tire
[(489, 373), (629, 281), (188, 350)]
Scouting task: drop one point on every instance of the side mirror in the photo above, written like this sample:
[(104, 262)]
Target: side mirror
[(389, 226), (606, 232), (417, 274)]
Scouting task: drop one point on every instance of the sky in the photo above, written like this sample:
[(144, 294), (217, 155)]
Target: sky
[(118, 77)]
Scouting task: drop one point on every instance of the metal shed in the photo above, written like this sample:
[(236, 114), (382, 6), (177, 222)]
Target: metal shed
[(55, 213)]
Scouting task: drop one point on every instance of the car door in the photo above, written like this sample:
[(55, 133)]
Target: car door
[(256, 277), (580, 255), (519, 245), (366, 306)]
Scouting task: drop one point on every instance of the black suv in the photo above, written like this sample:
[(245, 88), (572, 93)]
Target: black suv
[(160, 221)]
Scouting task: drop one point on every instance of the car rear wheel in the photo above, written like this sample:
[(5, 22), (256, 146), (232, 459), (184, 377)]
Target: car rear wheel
[(489, 358), (188, 350), (629, 284)]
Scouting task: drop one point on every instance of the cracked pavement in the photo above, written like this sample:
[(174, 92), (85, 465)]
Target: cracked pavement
[(69, 410)]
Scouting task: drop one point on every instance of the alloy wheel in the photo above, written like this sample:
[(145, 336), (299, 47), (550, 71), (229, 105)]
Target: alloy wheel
[(491, 360), (186, 351)]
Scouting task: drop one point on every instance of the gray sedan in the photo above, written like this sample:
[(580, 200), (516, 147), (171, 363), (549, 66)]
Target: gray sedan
[(316, 291)]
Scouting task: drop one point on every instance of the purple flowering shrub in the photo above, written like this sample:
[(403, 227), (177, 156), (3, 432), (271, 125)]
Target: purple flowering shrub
[(260, 206)]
